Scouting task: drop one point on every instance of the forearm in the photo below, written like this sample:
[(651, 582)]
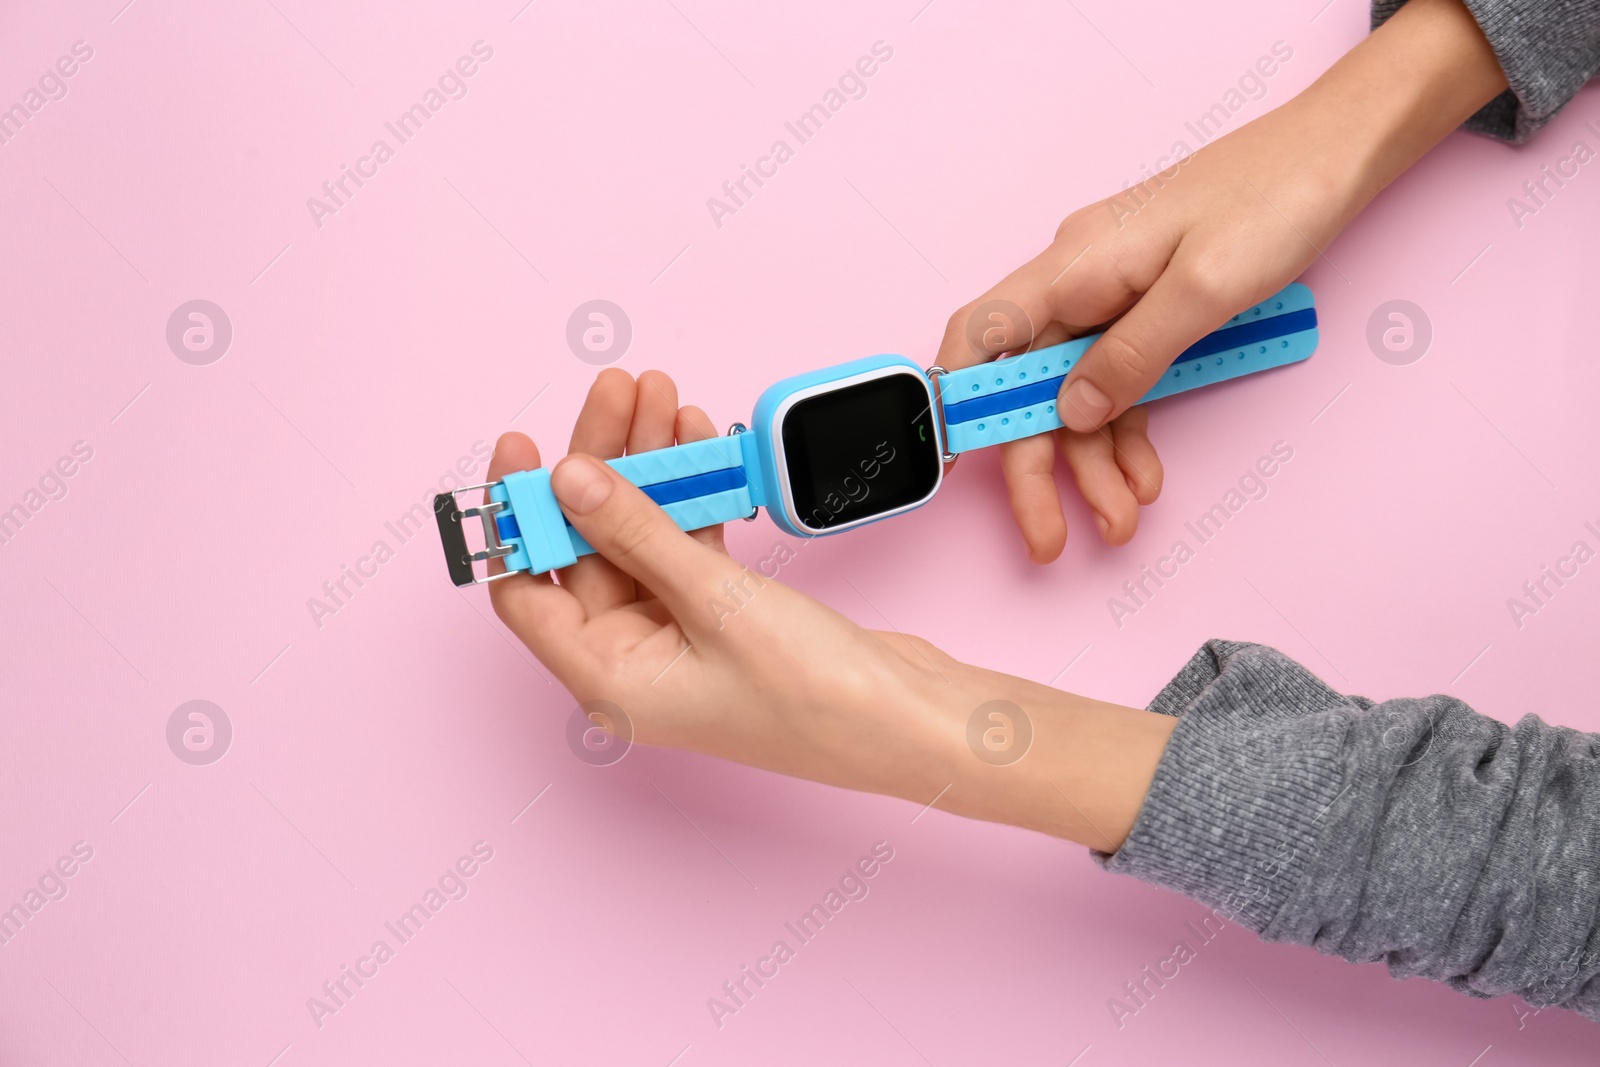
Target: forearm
[(1394, 96), (1547, 49), (1032, 756), (1416, 832)]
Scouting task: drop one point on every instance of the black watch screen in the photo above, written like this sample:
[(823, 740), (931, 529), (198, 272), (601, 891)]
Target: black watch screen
[(861, 451)]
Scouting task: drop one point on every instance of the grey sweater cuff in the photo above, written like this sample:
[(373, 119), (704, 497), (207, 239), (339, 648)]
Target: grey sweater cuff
[(1242, 791), (1547, 48), (1418, 832)]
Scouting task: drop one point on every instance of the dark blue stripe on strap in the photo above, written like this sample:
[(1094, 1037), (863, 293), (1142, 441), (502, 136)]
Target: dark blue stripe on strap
[(1248, 333), (1043, 389), (663, 493), (1023, 396)]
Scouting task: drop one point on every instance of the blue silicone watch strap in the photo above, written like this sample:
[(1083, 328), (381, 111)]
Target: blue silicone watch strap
[(703, 483), (1012, 398)]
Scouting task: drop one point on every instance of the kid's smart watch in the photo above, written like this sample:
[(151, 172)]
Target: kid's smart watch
[(848, 445)]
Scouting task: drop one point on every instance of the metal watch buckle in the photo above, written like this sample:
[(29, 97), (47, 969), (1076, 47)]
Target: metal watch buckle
[(738, 428), (458, 556), (933, 373)]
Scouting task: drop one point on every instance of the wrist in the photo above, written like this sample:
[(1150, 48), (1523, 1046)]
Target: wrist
[(1398, 93), (1047, 760)]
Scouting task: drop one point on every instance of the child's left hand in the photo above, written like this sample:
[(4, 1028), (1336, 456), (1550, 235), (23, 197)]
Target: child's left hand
[(700, 652)]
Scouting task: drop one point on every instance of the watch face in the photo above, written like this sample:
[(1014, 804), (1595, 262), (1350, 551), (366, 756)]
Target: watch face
[(861, 451)]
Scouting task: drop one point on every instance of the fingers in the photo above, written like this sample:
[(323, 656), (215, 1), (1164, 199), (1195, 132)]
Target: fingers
[(694, 425), (513, 452), (1063, 292), (1136, 455), (1101, 481), (1005, 319), (635, 535), (655, 416), (655, 413), (1180, 308), (602, 430), (1028, 466), (1054, 333), (546, 617)]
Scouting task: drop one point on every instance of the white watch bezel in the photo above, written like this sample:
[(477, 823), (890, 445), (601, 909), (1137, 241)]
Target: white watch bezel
[(781, 462)]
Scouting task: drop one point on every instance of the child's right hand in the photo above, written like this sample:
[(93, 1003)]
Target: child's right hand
[(1238, 220), (1225, 229)]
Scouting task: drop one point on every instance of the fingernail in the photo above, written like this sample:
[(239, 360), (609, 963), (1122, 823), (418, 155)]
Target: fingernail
[(1100, 521), (580, 485), (1085, 407)]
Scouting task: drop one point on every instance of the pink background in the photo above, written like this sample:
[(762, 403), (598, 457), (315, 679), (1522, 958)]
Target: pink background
[(370, 354)]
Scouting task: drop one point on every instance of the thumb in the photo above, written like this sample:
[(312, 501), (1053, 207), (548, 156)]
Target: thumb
[(631, 530), (1129, 358)]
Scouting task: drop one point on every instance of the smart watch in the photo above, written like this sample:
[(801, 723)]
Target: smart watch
[(856, 443)]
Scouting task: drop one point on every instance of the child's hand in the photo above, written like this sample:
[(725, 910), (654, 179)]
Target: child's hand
[(702, 653), (1175, 258), (1178, 255)]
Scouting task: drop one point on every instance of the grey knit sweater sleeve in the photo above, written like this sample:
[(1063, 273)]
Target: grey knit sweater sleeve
[(1416, 832), (1547, 48)]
